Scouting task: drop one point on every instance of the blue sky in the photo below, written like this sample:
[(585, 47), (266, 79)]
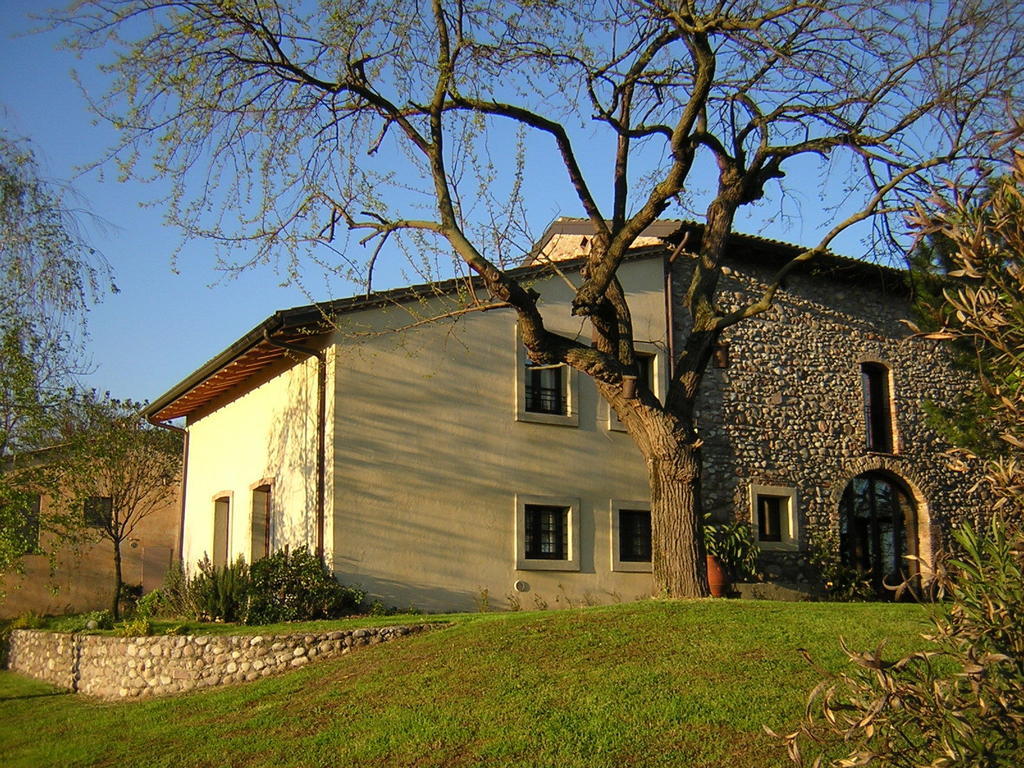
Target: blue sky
[(165, 323)]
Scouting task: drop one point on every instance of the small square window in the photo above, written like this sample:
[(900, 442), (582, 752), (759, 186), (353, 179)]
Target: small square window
[(545, 393), (644, 370), (769, 517), (635, 535), (99, 511), (631, 536), (547, 533), (773, 515), (545, 389)]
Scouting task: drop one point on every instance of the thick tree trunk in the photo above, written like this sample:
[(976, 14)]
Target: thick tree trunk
[(677, 541), (671, 451), (115, 605)]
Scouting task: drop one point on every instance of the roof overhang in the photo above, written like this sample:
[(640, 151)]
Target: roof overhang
[(250, 354)]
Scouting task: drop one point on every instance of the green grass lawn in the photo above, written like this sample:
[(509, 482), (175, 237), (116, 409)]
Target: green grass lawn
[(683, 684)]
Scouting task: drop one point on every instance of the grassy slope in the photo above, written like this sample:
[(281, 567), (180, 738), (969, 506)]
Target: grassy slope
[(655, 683)]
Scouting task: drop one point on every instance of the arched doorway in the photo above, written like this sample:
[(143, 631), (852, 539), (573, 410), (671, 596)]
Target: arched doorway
[(878, 529)]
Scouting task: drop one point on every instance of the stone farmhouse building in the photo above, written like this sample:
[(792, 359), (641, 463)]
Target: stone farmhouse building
[(435, 464)]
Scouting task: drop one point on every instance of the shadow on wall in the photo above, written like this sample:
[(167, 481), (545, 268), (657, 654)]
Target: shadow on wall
[(427, 460), (430, 459), (414, 598), (291, 461)]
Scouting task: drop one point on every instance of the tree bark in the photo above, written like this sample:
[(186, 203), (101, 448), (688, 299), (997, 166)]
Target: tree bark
[(115, 605), (671, 451), (677, 540)]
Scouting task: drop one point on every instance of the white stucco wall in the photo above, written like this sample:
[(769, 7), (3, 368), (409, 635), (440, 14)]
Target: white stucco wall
[(265, 434), (429, 458)]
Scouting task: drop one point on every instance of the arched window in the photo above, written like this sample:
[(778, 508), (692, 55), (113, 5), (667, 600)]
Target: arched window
[(877, 529), (877, 407)]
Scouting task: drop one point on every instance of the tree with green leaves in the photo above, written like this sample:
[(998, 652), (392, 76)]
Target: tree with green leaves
[(48, 277), (115, 470), (411, 124)]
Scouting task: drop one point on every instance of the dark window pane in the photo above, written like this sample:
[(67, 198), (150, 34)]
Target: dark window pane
[(634, 536), (645, 371), (547, 530), (545, 389), (98, 511), (261, 522), (769, 518), (874, 515), (221, 531), (877, 414)]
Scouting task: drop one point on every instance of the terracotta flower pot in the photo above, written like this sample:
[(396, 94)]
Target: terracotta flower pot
[(718, 579)]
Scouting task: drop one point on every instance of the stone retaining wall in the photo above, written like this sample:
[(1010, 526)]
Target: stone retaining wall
[(122, 667)]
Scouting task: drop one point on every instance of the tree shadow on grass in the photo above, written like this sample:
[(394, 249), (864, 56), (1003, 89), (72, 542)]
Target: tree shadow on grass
[(36, 695)]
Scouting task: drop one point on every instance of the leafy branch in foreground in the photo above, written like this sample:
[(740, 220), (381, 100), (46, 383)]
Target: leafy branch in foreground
[(48, 278), (960, 703)]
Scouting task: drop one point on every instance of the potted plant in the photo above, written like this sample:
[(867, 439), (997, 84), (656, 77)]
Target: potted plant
[(731, 551)]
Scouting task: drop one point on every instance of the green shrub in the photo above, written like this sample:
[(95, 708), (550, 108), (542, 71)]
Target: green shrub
[(294, 586), (28, 620), (176, 596), (297, 586), (83, 622), (137, 627), (150, 604), (220, 594), (377, 608), (959, 703)]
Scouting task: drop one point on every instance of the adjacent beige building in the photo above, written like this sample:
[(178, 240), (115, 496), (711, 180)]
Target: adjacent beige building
[(81, 578)]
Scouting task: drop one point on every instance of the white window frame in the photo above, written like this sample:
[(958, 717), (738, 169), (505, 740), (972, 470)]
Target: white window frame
[(572, 562), (657, 355), (789, 519), (571, 417), (617, 506)]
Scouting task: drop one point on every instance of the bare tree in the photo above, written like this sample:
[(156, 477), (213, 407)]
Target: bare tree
[(115, 471), (280, 124)]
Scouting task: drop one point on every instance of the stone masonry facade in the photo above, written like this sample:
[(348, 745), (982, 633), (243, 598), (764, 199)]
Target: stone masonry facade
[(130, 667), (788, 409)]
